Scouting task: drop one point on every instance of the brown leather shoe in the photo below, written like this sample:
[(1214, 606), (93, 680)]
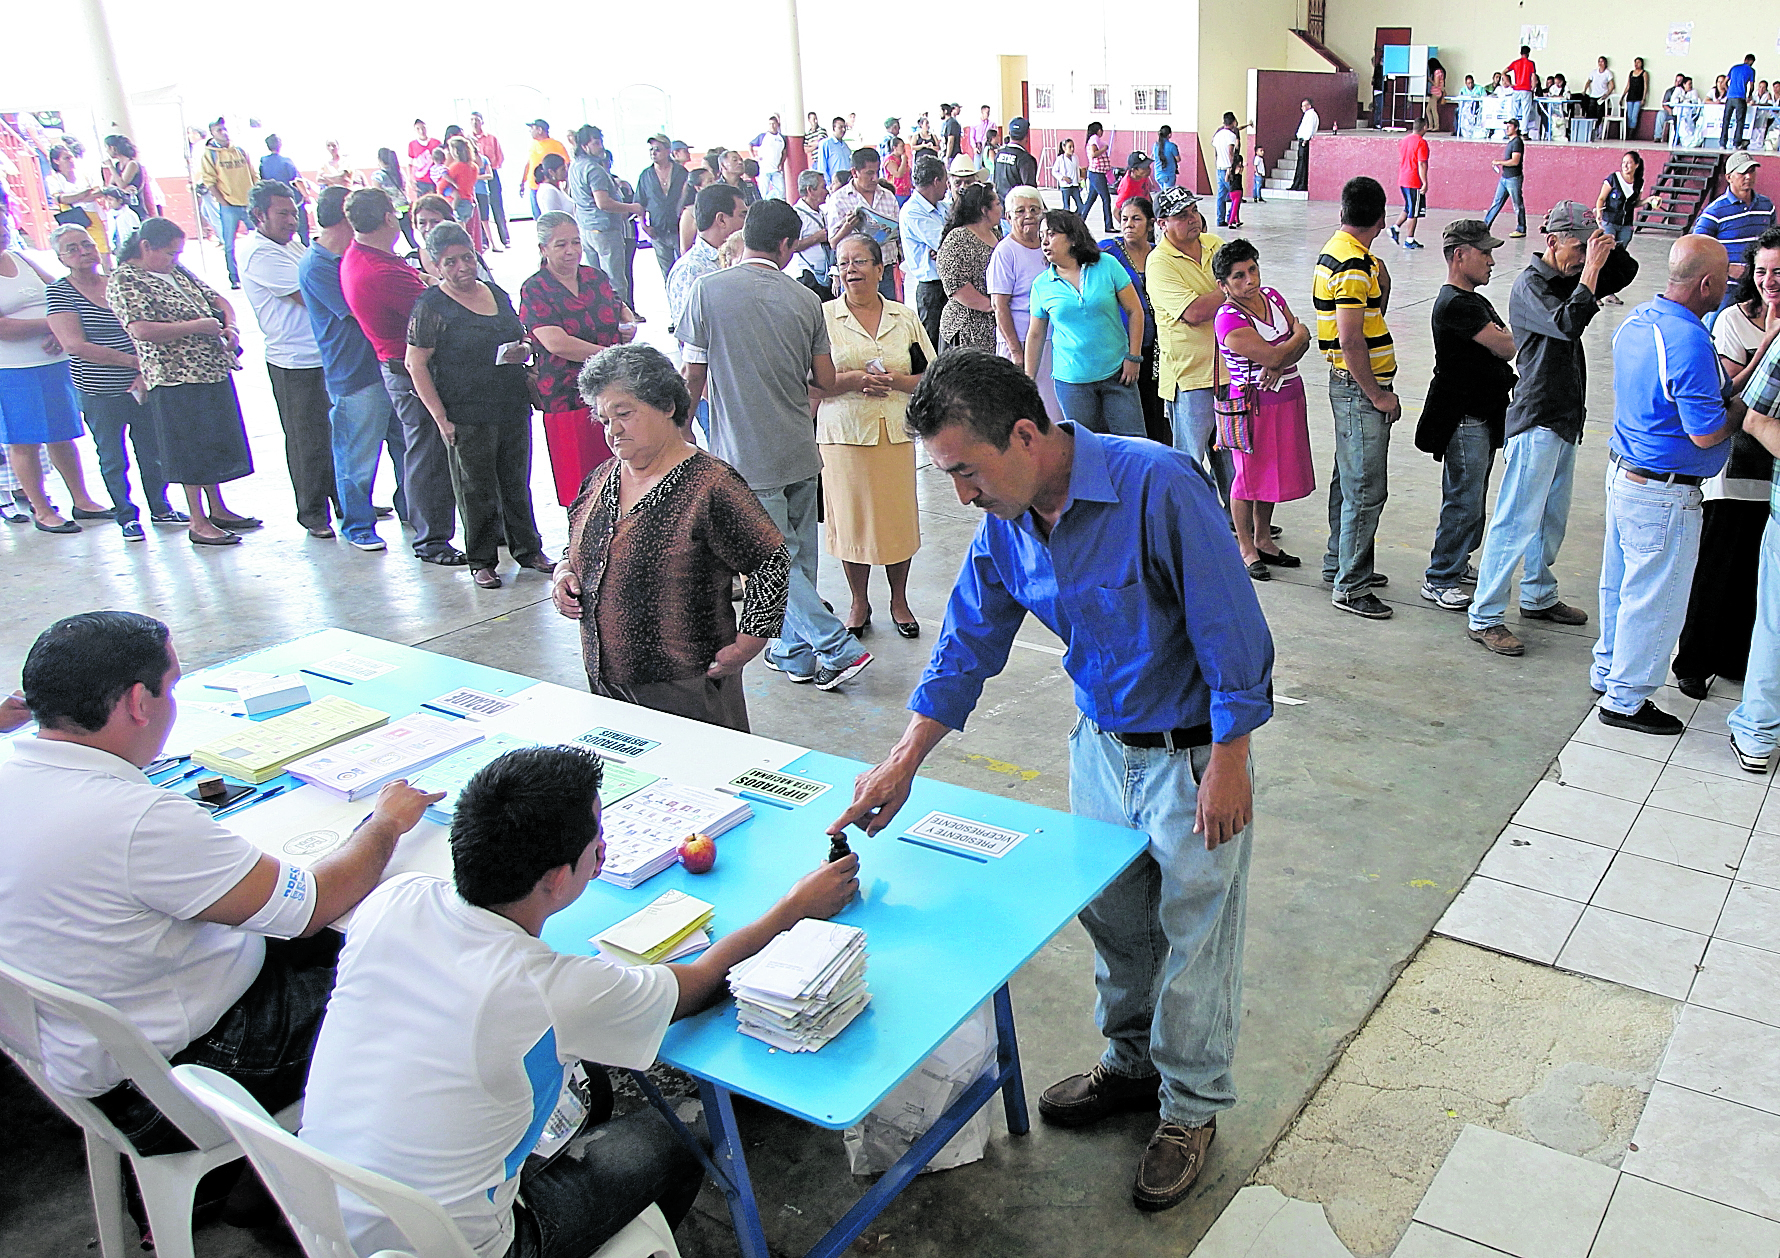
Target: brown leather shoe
[(1083, 1099), (1171, 1164), (1557, 614), (486, 578), (1498, 639)]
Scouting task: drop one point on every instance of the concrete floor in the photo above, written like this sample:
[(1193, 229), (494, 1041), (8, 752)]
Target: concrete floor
[(1376, 796)]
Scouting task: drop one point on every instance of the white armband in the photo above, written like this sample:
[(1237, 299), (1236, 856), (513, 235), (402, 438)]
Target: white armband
[(286, 913)]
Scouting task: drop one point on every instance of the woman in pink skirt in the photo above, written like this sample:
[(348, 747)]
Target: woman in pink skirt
[(1261, 343)]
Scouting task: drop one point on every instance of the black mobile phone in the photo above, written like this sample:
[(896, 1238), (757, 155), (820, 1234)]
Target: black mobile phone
[(230, 794)]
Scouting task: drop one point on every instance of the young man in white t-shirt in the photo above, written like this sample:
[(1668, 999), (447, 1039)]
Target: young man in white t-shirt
[(134, 895), (453, 1027), (1223, 146)]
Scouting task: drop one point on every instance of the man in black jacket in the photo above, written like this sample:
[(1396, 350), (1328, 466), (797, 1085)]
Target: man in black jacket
[(1014, 166)]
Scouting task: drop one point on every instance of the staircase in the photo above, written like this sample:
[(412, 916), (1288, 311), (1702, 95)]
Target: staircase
[(1279, 183), (1681, 192)]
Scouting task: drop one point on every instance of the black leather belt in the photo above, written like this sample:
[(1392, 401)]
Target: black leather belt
[(1661, 478), (1173, 739)]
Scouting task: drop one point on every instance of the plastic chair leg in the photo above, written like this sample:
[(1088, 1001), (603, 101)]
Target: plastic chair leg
[(105, 1172), (169, 1186)]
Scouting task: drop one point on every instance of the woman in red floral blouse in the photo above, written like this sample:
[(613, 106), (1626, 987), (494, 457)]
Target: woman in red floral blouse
[(571, 314)]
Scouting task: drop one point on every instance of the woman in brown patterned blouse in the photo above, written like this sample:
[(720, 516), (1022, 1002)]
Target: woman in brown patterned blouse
[(655, 538)]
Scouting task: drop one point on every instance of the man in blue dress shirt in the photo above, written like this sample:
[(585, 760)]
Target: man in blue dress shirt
[(1120, 547)]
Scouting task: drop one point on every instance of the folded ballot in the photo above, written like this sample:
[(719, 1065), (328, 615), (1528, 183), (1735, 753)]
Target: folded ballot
[(660, 931), (257, 751), (803, 988), (401, 749), (643, 831)]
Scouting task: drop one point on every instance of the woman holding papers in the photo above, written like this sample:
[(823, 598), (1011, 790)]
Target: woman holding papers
[(655, 539)]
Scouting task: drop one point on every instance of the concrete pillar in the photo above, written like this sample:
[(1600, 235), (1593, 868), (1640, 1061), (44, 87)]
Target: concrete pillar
[(795, 160), (111, 107)]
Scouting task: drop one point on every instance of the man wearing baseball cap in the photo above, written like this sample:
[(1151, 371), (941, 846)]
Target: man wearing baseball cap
[(1737, 217), (542, 146), (1461, 423), (1551, 305), (1015, 167), (1185, 299)]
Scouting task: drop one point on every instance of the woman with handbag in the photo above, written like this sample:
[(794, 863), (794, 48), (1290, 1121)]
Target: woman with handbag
[(1261, 414), (77, 201), (880, 350)]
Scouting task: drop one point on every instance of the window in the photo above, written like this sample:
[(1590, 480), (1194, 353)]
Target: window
[(1099, 96), (1150, 100), (1041, 100)]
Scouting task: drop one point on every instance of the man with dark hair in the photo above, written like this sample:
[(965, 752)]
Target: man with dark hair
[(1171, 660), (360, 417), (1351, 291), (227, 172), (380, 290), (755, 337), (275, 165), (1511, 169), (270, 269), (135, 896), (454, 1029), (835, 156), (544, 146), (922, 224), (718, 213), (1550, 306), (848, 203), (1523, 82), (490, 204), (603, 215), (1739, 83), (951, 133)]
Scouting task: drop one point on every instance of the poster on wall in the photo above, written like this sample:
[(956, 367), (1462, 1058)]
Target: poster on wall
[(1533, 37), (1680, 39)]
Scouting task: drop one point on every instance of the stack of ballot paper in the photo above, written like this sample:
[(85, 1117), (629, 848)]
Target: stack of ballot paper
[(643, 831), (672, 925), (361, 766), (258, 750), (803, 988)]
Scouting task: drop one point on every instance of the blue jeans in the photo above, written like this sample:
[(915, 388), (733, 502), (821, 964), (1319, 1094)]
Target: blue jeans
[(1755, 723), (1223, 197), (813, 636), (1647, 558), (1108, 405), (1195, 426), (1523, 112), (1509, 187), (107, 416), (1358, 487), (360, 425), (605, 249), (773, 185), (1167, 931), (1532, 511), (1634, 110), (1464, 491), (1098, 191), (228, 219), (1072, 197)]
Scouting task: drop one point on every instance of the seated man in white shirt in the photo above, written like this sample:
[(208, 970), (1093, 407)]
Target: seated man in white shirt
[(453, 1028), (134, 895)]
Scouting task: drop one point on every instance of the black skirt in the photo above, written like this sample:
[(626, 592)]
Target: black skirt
[(199, 433)]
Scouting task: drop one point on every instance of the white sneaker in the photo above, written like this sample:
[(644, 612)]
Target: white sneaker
[(1447, 597)]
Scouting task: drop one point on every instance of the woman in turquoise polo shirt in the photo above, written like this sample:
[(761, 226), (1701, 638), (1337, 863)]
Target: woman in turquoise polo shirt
[(1087, 304)]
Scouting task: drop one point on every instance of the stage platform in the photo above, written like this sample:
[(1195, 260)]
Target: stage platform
[(1460, 176)]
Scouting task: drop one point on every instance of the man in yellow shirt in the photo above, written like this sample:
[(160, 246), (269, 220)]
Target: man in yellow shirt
[(542, 146), (228, 173), (1185, 299), (1351, 292)]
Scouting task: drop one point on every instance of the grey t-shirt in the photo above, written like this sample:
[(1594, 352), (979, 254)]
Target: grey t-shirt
[(758, 330), (587, 177)]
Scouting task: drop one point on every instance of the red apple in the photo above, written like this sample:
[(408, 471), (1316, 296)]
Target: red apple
[(698, 852)]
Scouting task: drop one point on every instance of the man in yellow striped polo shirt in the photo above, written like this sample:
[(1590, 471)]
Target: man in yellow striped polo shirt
[(1351, 293)]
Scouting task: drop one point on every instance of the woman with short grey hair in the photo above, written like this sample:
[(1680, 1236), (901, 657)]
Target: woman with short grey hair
[(571, 311), (657, 625), (466, 356)]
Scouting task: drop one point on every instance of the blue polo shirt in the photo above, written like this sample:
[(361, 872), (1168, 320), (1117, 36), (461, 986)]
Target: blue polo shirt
[(1667, 385), (1739, 81), (348, 363), (1736, 224), (1088, 340), (278, 166)]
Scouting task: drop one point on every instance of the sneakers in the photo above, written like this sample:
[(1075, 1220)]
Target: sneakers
[(1083, 1099), (1364, 604), (1377, 581), (1450, 598), (1648, 719), (132, 531), (1498, 640), (1694, 687), (1395, 239), (1517, 234), (829, 678), (368, 543), (799, 678), (169, 517), (1171, 1164), (1557, 614), (1753, 764), (1470, 577), (1413, 243)]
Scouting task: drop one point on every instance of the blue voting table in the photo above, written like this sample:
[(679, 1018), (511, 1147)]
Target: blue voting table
[(945, 931)]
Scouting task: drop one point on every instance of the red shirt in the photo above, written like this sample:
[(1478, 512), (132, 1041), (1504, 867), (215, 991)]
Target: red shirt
[(380, 290), (490, 147), (1412, 151), (1522, 74)]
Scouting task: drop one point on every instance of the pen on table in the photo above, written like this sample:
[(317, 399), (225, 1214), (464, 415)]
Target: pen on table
[(250, 801), (313, 672), (949, 851), (178, 778), (431, 707), (758, 799)]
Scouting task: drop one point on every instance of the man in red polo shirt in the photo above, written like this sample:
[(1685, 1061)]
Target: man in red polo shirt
[(1523, 79), (380, 290)]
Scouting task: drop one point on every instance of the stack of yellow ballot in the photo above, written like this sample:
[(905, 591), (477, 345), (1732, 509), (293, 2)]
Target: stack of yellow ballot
[(259, 750), (669, 927)]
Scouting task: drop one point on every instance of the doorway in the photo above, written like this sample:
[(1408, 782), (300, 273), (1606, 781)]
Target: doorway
[(1384, 106)]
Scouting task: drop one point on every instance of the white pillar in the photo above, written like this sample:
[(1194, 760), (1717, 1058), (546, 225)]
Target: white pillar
[(111, 107), (795, 162)]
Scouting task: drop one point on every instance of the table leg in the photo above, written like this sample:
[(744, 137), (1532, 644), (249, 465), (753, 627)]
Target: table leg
[(1007, 1054), (726, 1141)]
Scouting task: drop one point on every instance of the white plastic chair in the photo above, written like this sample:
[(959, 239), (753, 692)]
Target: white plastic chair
[(169, 1180), (303, 1179)]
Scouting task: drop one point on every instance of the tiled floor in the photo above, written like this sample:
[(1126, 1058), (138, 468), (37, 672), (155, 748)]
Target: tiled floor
[(1654, 863)]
